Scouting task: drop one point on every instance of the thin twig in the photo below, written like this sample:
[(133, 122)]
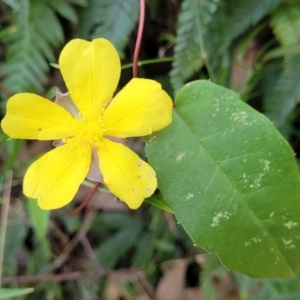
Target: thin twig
[(90, 251), (70, 246), (139, 38), (4, 218), (148, 288), (130, 274), (8, 185), (52, 277)]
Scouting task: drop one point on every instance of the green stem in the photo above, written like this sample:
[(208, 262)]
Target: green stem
[(148, 62)]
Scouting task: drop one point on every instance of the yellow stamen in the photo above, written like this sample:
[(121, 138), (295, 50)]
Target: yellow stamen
[(88, 135)]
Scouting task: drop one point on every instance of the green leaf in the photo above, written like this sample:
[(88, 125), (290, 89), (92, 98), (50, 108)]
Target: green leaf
[(15, 235), (283, 98), (11, 293), (285, 22), (280, 52), (116, 220), (38, 217), (280, 102), (232, 181), (40, 221), (144, 251), (159, 201), (117, 245), (12, 148)]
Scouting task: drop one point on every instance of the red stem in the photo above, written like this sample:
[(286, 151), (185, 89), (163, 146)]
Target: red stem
[(139, 38), (86, 200)]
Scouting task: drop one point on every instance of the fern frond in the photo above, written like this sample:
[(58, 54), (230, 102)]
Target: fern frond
[(240, 15), (233, 18), (30, 46), (188, 50), (281, 101), (63, 8), (205, 32), (111, 19)]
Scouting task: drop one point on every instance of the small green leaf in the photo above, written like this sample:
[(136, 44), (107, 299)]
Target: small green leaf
[(143, 254), (54, 65), (38, 217), (111, 250), (159, 201), (232, 181), (15, 235), (6, 294)]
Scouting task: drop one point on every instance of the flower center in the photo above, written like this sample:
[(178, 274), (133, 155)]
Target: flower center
[(87, 136)]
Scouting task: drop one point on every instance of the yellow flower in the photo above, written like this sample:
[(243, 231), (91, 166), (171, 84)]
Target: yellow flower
[(91, 71)]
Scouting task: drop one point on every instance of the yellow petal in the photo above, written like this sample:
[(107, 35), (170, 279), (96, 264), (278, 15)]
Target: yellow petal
[(32, 117), (91, 71), (125, 174), (55, 178), (140, 108)]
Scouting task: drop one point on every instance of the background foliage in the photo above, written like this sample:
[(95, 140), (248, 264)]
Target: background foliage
[(108, 252)]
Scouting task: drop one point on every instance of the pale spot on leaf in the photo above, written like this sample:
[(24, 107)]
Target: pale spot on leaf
[(180, 157), (189, 196), (290, 224), (220, 216)]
